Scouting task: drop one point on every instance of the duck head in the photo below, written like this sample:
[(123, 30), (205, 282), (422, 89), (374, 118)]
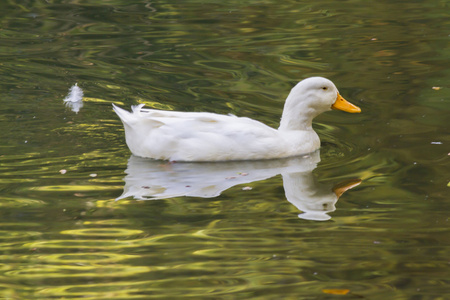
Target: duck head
[(308, 99)]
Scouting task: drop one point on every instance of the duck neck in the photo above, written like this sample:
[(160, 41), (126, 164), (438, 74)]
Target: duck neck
[(297, 115), (289, 122)]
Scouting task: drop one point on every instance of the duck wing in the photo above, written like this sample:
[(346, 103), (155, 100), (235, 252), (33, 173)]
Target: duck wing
[(194, 136)]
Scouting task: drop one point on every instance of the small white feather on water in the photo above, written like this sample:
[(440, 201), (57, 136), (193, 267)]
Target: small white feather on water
[(74, 99)]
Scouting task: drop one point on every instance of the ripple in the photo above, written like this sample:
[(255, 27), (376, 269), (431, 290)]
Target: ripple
[(387, 237), (70, 188), (103, 232), (48, 272), (78, 244), (21, 201), (82, 258), (221, 66), (7, 235)]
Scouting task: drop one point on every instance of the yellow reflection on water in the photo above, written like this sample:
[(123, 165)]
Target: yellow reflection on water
[(70, 188), (98, 100), (157, 105), (12, 202), (112, 232), (70, 271)]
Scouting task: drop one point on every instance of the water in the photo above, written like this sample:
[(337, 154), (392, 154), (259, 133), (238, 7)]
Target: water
[(63, 235)]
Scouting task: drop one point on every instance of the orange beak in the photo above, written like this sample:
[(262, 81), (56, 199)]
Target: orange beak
[(344, 105)]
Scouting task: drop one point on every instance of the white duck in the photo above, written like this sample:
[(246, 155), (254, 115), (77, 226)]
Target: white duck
[(193, 136)]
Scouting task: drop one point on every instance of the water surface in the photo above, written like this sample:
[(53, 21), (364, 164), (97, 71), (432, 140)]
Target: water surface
[(64, 236)]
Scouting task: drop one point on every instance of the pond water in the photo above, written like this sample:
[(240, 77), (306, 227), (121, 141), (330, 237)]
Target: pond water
[(253, 230)]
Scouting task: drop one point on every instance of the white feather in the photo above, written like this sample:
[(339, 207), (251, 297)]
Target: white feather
[(74, 99)]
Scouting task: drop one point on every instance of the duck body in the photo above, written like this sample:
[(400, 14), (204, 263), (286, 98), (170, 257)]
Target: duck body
[(202, 136), (180, 136)]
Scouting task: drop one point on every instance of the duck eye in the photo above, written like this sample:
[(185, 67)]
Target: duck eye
[(324, 88)]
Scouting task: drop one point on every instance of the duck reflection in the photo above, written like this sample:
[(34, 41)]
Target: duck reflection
[(151, 179)]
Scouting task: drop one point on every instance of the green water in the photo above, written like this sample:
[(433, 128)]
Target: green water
[(63, 235)]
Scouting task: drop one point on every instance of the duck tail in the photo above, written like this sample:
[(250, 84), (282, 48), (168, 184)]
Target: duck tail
[(126, 116)]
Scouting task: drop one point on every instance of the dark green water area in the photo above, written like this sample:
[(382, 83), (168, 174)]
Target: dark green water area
[(249, 230)]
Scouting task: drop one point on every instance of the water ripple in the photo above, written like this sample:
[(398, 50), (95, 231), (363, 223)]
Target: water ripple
[(63, 235)]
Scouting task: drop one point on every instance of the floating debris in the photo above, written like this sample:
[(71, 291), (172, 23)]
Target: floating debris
[(74, 99), (63, 171), (246, 188), (93, 175), (436, 88), (336, 291)]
